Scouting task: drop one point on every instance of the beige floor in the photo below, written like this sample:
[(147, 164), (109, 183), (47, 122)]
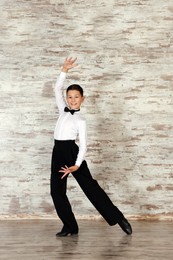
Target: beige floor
[(35, 240)]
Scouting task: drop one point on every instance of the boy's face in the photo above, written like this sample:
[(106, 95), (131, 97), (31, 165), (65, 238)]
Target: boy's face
[(74, 99)]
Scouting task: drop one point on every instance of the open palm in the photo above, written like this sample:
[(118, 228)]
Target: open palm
[(69, 63)]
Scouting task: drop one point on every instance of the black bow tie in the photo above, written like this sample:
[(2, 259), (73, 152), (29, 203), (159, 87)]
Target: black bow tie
[(72, 111)]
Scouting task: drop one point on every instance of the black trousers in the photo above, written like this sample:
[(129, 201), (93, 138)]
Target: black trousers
[(65, 153)]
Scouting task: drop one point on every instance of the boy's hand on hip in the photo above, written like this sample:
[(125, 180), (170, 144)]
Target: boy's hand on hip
[(66, 170)]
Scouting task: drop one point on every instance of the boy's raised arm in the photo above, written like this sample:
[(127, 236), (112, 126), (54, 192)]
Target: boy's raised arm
[(69, 63)]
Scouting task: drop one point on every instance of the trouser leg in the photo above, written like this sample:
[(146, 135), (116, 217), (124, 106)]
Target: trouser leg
[(97, 195), (62, 205), (60, 200)]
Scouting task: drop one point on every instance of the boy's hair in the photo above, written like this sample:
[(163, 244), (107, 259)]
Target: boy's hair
[(75, 87)]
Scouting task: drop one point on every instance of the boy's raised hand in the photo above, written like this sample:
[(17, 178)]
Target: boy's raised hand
[(69, 63)]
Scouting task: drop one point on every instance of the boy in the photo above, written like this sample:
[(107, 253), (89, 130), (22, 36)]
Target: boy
[(68, 158)]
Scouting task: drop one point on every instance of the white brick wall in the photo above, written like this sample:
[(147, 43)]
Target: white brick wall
[(124, 50)]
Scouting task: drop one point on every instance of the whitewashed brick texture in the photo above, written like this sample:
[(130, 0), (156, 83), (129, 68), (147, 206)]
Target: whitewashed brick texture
[(125, 57)]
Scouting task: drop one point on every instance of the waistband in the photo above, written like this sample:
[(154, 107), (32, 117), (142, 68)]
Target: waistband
[(63, 141)]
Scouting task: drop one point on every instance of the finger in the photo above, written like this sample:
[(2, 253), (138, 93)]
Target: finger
[(63, 169), (74, 65), (64, 175), (74, 60)]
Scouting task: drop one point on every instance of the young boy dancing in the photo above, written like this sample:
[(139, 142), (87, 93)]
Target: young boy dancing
[(68, 157)]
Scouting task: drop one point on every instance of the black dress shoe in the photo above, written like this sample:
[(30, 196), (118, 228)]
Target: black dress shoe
[(65, 234), (126, 227)]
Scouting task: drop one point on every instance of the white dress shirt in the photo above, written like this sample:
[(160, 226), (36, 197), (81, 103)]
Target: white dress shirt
[(68, 126)]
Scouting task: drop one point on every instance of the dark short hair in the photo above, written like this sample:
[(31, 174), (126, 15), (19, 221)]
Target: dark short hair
[(75, 87)]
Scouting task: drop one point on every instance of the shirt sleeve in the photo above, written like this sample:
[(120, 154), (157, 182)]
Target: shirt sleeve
[(82, 142), (59, 95)]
